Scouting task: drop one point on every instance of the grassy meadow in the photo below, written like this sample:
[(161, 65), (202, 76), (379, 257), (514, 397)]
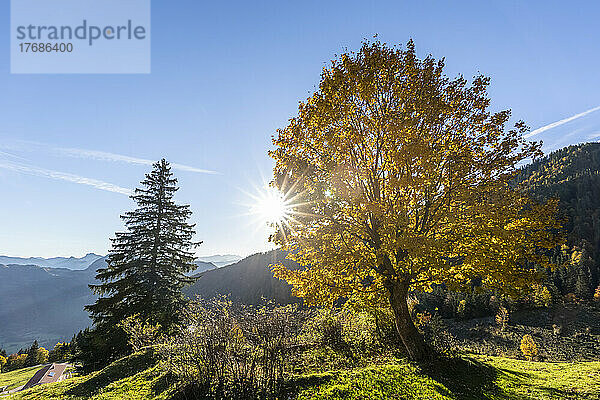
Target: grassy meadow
[(469, 377), (14, 379)]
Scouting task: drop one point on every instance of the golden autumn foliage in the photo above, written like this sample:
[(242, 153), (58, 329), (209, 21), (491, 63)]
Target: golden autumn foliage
[(528, 347), (42, 356), (16, 361), (541, 296), (401, 177)]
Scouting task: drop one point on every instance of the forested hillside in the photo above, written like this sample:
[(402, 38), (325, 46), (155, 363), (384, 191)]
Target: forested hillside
[(246, 281), (572, 174)]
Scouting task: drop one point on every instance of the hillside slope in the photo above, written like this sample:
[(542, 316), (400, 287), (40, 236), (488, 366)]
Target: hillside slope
[(139, 377), (246, 281), (572, 175), (202, 266)]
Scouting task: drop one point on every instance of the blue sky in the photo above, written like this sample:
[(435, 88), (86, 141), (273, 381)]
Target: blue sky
[(225, 76)]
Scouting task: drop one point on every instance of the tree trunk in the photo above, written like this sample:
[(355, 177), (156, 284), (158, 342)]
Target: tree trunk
[(411, 338)]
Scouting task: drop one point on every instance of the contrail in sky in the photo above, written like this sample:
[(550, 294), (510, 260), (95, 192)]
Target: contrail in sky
[(561, 122), (26, 145), (3, 153), (104, 156), (64, 176)]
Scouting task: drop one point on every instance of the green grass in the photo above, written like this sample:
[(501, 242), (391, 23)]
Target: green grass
[(467, 378), (14, 379), (474, 377), (539, 380), (380, 382), (133, 377)]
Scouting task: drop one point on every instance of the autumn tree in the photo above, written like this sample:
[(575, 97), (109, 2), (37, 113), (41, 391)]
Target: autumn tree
[(528, 347), (15, 361), (397, 177), (2, 362), (60, 353)]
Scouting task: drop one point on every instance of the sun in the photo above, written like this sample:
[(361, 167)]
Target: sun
[(276, 209), (271, 207)]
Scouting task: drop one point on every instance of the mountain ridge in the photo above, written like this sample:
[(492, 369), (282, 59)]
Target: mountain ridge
[(247, 281), (72, 263), (82, 263)]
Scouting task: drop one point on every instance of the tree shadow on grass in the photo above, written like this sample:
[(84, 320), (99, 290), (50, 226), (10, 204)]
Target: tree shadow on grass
[(292, 387), (527, 383), (465, 378), (286, 389)]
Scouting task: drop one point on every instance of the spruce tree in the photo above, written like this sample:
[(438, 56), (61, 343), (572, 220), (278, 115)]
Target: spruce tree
[(147, 263), (32, 355)]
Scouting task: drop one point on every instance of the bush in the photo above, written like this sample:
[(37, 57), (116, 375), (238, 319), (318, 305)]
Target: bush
[(341, 330), (502, 318), (435, 332), (528, 347), (359, 331), (232, 352), (385, 328), (542, 296), (339, 338), (140, 333), (324, 329)]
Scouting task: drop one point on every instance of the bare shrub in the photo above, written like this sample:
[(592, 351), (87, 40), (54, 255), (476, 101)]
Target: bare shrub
[(324, 328), (334, 338), (231, 351)]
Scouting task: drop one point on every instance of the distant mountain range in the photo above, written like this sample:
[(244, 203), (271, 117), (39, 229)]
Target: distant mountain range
[(221, 260), (43, 303), (46, 303), (77, 264), (202, 267), (71, 263)]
